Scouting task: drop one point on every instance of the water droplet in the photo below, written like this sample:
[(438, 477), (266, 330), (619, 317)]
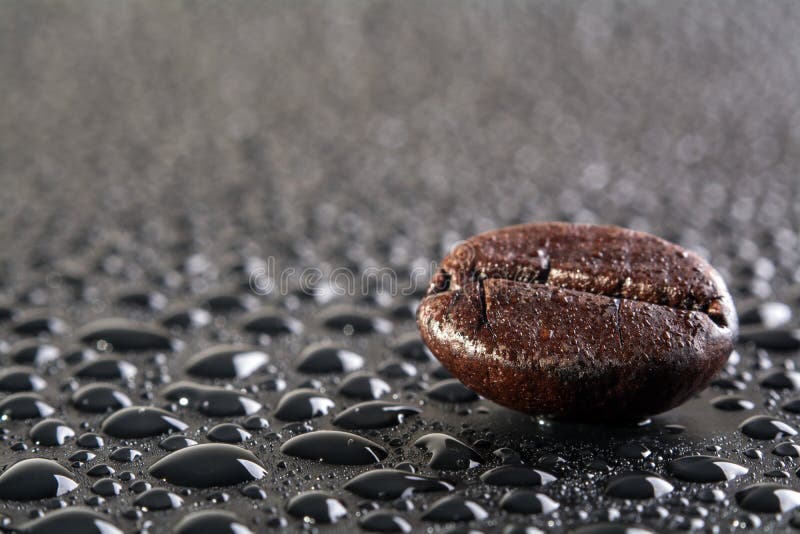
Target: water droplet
[(781, 339), (455, 508), (125, 335), (384, 521), (388, 484), (141, 422), (732, 403), (781, 380), (100, 398), (317, 507), (34, 323), (211, 521), (633, 451), (527, 502), (638, 485), (213, 401), (100, 470), (766, 314), (787, 448), (176, 442), (374, 414), (334, 447), (125, 455), (25, 406), (227, 361), (768, 498), (107, 487), (301, 404), (158, 499), (70, 520), (449, 453), (610, 528), (705, 469), (35, 478), (765, 427), (90, 440), (141, 298), (186, 317), (222, 303), (15, 379), (271, 322), (51, 433), (517, 475), (411, 347), (451, 390), (397, 370), (209, 464), (348, 319), (31, 352), (106, 369), (328, 358), (364, 386), (228, 433)]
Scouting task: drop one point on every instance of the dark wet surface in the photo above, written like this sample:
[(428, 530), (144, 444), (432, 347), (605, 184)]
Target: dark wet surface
[(158, 160)]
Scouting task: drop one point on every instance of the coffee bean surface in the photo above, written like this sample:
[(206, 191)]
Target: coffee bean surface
[(594, 323)]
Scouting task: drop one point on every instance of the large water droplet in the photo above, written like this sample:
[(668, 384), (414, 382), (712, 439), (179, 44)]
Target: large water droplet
[(158, 499), (517, 475), (31, 352), (384, 521), (35, 478), (227, 361), (271, 322), (455, 508), (99, 398), (69, 521), (732, 403), (374, 414), (768, 498), (211, 521), (317, 507), (527, 502), (301, 404), (781, 339), (354, 321), (15, 379), (705, 469), (364, 386), (106, 368), (386, 484), (35, 323), (448, 452), (334, 447), (411, 347), (451, 390), (638, 485), (213, 401), (228, 433), (765, 427), (328, 358), (25, 406), (210, 464), (141, 422), (51, 433), (125, 335)]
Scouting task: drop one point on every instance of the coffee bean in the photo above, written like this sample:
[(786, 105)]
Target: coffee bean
[(594, 323)]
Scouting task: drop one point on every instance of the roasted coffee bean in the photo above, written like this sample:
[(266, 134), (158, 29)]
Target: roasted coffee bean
[(583, 322)]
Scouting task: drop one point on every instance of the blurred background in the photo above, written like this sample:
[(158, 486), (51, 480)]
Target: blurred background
[(383, 131)]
